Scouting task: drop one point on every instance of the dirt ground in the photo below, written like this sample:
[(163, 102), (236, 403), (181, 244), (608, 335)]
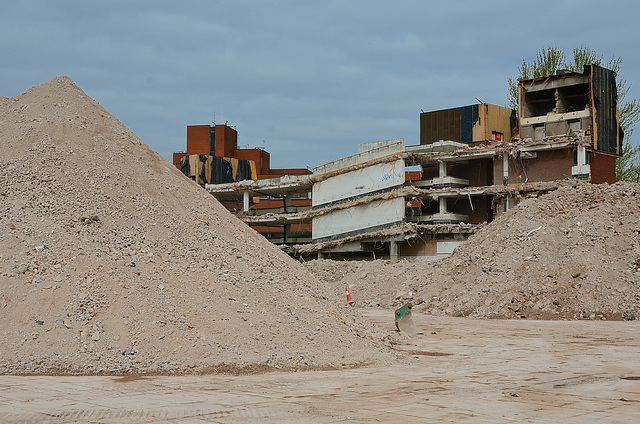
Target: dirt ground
[(460, 370)]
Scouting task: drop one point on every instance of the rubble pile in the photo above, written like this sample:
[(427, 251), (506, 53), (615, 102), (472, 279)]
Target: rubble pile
[(573, 253), (112, 261)]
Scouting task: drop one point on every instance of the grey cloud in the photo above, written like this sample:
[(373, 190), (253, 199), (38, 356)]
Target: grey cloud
[(312, 79)]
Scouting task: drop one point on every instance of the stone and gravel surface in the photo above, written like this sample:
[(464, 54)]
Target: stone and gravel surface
[(112, 261)]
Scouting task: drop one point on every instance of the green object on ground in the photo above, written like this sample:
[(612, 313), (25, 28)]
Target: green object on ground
[(400, 312), (404, 322)]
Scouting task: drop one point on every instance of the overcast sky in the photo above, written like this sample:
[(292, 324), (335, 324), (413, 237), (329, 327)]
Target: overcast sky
[(308, 80)]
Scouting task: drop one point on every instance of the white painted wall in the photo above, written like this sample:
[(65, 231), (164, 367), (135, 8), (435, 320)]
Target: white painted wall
[(358, 182), (362, 217), (349, 186)]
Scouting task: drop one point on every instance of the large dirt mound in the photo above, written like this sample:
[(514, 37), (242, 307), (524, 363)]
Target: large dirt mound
[(570, 254), (111, 260)]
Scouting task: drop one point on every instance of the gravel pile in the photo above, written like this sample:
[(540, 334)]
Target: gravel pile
[(112, 261), (571, 254)]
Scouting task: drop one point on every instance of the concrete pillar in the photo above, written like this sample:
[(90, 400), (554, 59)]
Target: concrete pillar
[(287, 231), (505, 175), (505, 169), (245, 201), (443, 204), (320, 254), (393, 250), (582, 156), (286, 199), (442, 169)]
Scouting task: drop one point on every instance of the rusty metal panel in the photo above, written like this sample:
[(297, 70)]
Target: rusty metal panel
[(440, 125), (604, 100), (466, 124)]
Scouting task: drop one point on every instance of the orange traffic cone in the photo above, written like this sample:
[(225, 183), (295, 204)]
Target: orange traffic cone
[(349, 300)]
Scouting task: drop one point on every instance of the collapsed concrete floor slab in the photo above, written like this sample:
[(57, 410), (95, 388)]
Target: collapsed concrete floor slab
[(414, 202)]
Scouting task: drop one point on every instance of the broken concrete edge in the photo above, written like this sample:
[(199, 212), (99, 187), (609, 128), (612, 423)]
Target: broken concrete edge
[(512, 149), (410, 230), (407, 231), (409, 191)]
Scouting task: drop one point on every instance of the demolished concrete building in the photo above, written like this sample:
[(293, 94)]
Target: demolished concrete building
[(214, 157), (472, 164)]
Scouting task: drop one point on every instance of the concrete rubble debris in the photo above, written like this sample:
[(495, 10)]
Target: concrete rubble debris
[(129, 241), (579, 263), (158, 258)]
